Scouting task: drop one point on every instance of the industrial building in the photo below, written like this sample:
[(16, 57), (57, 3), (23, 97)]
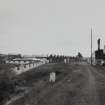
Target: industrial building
[(98, 57)]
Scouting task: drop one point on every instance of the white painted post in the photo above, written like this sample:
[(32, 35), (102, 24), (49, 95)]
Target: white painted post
[(52, 77)]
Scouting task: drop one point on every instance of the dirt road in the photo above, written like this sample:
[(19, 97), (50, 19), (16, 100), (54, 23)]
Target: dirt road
[(76, 85)]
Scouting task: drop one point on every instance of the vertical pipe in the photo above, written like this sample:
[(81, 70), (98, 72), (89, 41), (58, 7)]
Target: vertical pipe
[(91, 46)]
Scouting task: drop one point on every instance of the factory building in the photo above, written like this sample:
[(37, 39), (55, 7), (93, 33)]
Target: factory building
[(99, 55)]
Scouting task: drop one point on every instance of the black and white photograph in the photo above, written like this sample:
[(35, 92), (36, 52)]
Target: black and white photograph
[(52, 52)]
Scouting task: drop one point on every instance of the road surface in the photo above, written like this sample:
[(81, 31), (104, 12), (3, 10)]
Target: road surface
[(76, 85)]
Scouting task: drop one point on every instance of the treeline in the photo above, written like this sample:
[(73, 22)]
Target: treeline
[(59, 58)]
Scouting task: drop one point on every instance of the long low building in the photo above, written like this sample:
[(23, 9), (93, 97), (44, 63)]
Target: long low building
[(25, 64), (18, 69), (26, 60)]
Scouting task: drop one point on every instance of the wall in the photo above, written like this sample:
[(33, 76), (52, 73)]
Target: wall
[(25, 67)]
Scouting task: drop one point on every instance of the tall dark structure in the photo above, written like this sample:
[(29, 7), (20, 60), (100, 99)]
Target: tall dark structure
[(99, 55), (98, 44)]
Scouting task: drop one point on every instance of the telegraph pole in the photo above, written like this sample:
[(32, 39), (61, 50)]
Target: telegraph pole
[(91, 45)]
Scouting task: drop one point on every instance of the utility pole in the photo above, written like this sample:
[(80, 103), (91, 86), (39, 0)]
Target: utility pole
[(91, 45)]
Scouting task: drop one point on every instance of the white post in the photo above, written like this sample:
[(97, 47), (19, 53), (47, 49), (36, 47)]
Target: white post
[(52, 77)]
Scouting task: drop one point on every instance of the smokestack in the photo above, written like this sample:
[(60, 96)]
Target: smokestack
[(99, 44), (104, 49)]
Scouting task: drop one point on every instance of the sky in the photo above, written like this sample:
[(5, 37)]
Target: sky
[(51, 26)]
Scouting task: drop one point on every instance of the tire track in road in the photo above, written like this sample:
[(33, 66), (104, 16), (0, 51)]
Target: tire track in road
[(92, 87), (86, 93), (100, 84)]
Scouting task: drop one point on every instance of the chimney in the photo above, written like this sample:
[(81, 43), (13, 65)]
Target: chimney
[(99, 44), (104, 49)]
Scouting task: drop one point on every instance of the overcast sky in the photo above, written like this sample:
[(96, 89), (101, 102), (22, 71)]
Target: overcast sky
[(51, 26)]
